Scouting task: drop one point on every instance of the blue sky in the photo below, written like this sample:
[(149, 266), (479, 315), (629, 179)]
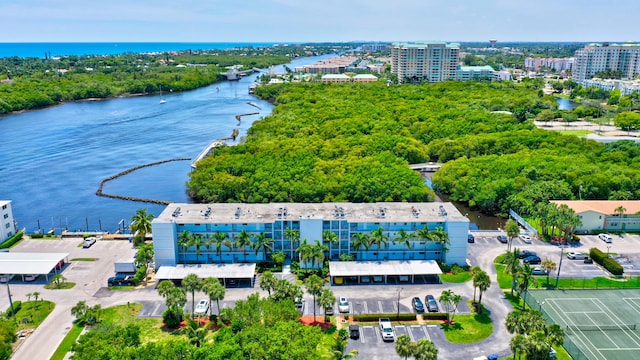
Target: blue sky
[(316, 21)]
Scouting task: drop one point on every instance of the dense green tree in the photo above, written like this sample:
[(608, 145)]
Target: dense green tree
[(268, 281)]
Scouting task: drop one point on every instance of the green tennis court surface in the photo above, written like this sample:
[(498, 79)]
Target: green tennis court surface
[(598, 324)]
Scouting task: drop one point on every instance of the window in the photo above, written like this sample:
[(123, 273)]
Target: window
[(7, 225), (4, 207), (6, 216)]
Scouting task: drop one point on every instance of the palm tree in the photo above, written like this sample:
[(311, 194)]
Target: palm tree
[(474, 272), (317, 253), (331, 238), (425, 350), (194, 332), (141, 225), (526, 279), (305, 253), (165, 287), (360, 240), (511, 258), (219, 239), (184, 241), (197, 241), (268, 281), (450, 300), (403, 238), (518, 344), (549, 266), (293, 236), (441, 237), (513, 230), (326, 299), (483, 282), (379, 239), (620, 210), (243, 239), (337, 353), (423, 235), (404, 346), (192, 283), (214, 290), (263, 243), (314, 285)]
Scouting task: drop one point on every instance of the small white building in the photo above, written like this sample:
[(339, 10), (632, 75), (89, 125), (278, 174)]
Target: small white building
[(7, 223), (605, 215)]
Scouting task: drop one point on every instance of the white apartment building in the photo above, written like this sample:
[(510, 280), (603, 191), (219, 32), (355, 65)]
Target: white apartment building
[(431, 61), (558, 64), (595, 58), (7, 224)]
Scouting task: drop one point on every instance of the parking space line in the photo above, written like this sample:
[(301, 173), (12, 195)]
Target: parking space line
[(380, 308), (366, 308)]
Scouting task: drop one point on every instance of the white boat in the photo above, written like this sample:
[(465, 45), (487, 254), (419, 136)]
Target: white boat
[(162, 101)]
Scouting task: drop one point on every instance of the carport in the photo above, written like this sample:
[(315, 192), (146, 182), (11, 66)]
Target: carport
[(14, 263), (384, 272), (229, 274)]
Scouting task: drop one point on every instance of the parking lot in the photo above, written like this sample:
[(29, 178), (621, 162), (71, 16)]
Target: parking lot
[(371, 346)]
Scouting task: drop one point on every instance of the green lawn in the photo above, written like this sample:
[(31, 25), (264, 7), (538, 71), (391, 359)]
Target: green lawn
[(574, 132), (460, 277), (67, 342), (468, 329), (32, 313), (151, 329), (63, 286)]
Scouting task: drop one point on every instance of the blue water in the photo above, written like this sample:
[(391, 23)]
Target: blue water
[(104, 48), (52, 160), (565, 104)]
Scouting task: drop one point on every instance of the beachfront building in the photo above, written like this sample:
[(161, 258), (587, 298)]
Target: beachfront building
[(7, 223), (236, 233), (597, 58), (431, 61), (605, 215)]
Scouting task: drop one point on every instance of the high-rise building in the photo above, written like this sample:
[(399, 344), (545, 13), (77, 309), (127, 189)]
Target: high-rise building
[(431, 61), (596, 58), (7, 224)]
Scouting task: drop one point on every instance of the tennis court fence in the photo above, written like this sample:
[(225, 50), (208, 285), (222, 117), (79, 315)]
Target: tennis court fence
[(569, 329)]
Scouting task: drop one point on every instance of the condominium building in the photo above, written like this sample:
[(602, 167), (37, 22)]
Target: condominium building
[(7, 223), (425, 61), (231, 233), (596, 58), (558, 64)]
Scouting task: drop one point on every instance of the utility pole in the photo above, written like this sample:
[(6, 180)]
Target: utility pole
[(559, 266), (398, 304), (13, 313)]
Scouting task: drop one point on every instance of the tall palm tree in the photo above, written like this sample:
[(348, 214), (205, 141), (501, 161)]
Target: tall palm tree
[(403, 238), (293, 236), (404, 346), (425, 350), (526, 279), (360, 240), (379, 239), (314, 285), (197, 241), (512, 260), (518, 345), (423, 235), (331, 238), (192, 283), (317, 253), (214, 290), (141, 225), (243, 240), (474, 271), (326, 299), (441, 237), (220, 239), (513, 230), (549, 266), (483, 282), (194, 332), (268, 281), (337, 352), (305, 253), (263, 244), (184, 241)]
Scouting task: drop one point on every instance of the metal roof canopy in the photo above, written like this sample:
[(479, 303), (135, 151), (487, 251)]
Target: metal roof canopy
[(29, 263), (387, 267), (220, 271)]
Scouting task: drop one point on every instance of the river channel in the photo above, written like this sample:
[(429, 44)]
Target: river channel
[(52, 160)]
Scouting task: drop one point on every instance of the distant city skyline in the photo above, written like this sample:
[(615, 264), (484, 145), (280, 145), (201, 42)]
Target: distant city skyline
[(311, 21)]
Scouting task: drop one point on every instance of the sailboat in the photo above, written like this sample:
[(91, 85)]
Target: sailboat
[(162, 101)]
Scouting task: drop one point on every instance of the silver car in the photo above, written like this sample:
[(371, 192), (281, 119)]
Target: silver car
[(343, 305)]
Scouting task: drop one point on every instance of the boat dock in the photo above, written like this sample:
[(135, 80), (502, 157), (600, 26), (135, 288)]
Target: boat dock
[(206, 151)]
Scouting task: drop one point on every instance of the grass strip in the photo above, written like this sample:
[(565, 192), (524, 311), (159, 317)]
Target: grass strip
[(68, 341)]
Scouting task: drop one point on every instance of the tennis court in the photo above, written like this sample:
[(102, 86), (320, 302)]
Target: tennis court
[(598, 324)]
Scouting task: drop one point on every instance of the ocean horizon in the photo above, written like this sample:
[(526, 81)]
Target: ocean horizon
[(45, 49)]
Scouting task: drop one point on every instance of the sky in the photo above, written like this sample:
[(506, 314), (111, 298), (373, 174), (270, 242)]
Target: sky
[(318, 20)]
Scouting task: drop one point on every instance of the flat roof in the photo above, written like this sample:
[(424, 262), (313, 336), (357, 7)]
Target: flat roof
[(387, 267), (220, 271), (239, 213), (29, 263), (607, 207)]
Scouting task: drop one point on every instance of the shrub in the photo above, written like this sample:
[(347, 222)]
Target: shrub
[(172, 318), (17, 305), (444, 267), (140, 274), (601, 258), (36, 236), (434, 316), (393, 316), (343, 334), (12, 240)]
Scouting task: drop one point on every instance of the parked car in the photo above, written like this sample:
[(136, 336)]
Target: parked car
[(386, 329), (606, 238), (588, 260), (121, 279), (378, 278), (538, 271), (365, 279), (532, 260), (88, 242), (503, 239), (576, 255), (328, 310), (525, 254), (30, 277), (431, 302), (525, 238), (471, 238), (343, 305), (417, 305), (354, 331), (5, 278), (202, 307), (300, 305)]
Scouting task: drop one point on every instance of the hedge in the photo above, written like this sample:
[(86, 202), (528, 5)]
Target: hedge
[(601, 258), (12, 240), (392, 316), (435, 316)]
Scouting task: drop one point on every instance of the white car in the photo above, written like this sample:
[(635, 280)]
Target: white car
[(576, 256), (386, 329), (343, 305), (88, 242), (202, 307), (525, 238), (30, 277), (606, 238), (538, 271)]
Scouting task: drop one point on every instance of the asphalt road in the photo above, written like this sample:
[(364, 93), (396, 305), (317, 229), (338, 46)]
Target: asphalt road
[(91, 277)]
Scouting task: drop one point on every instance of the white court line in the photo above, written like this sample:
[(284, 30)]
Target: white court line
[(633, 303), (581, 338), (604, 332), (630, 333)]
